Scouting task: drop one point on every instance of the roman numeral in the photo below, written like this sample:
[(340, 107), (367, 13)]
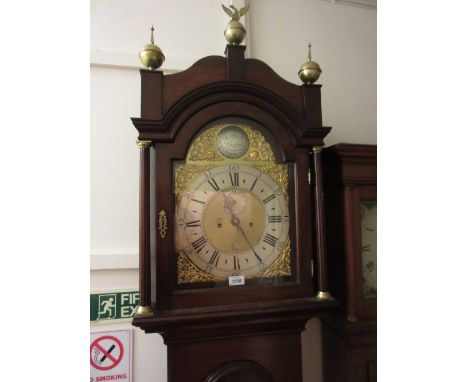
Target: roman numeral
[(214, 258), (269, 239), (236, 263), (234, 179), (213, 184), (258, 257), (253, 184), (275, 219), (195, 223), (370, 266), (199, 244), (198, 201), (269, 199)]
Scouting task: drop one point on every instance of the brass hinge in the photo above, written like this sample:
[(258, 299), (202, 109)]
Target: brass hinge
[(309, 177)]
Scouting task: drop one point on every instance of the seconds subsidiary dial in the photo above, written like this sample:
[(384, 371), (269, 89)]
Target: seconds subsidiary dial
[(232, 220)]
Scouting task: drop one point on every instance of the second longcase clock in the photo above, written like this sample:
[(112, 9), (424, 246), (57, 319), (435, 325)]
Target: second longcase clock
[(350, 335)]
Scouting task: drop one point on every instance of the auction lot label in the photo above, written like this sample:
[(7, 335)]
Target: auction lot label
[(111, 356)]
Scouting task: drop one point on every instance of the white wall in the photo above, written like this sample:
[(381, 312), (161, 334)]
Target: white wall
[(343, 41)]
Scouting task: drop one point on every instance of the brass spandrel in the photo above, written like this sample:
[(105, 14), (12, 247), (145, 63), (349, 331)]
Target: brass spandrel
[(260, 149), (187, 273), (185, 174), (281, 266), (203, 147)]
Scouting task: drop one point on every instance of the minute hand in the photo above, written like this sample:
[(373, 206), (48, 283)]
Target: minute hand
[(236, 222)]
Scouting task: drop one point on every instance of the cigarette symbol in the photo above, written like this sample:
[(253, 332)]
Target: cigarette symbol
[(103, 358)]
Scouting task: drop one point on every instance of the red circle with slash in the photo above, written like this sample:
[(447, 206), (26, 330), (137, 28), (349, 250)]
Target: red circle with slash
[(106, 357)]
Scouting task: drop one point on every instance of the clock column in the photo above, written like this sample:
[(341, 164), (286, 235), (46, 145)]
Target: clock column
[(145, 269), (323, 292)]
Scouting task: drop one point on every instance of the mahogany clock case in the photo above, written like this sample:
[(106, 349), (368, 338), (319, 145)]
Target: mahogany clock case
[(175, 108), (214, 332)]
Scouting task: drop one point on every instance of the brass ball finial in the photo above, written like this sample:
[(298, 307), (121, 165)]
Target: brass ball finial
[(151, 55), (310, 71), (235, 31)]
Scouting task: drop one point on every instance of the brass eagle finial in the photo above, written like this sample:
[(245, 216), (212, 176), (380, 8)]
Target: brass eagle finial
[(235, 14), (235, 31)]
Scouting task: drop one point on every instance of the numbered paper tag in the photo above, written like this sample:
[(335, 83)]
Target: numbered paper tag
[(236, 280)]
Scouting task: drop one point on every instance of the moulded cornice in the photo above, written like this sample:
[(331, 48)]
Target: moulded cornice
[(209, 95)]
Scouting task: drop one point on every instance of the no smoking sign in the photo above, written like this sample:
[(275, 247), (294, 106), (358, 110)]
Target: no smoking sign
[(110, 356)]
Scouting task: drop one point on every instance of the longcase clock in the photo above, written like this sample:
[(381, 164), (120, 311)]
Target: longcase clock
[(232, 256), (349, 335)]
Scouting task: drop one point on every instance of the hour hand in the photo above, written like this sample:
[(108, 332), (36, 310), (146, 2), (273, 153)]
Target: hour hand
[(228, 202), (235, 222)]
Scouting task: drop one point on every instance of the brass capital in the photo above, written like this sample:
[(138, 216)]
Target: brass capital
[(324, 296), (144, 311), (142, 144), (317, 149)]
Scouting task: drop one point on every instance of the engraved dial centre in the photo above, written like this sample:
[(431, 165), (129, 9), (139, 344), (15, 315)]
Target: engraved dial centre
[(234, 221)]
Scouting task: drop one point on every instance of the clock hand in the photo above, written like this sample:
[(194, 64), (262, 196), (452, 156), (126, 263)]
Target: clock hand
[(236, 222), (228, 202)]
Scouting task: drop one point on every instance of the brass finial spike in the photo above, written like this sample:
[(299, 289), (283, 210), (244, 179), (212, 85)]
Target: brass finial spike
[(151, 55), (309, 71)]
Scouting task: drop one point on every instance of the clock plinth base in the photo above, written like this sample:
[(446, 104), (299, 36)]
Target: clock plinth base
[(349, 350), (279, 354), (202, 340)]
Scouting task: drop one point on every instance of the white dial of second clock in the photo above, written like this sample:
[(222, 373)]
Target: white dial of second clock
[(369, 247)]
